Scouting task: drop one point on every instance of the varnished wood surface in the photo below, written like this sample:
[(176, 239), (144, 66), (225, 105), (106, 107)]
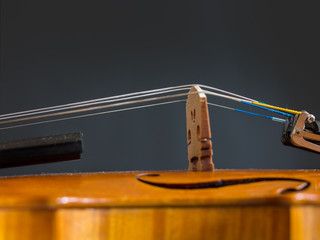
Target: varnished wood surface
[(118, 206), (123, 189), (271, 222)]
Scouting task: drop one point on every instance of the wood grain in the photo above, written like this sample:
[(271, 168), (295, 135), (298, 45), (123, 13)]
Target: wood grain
[(268, 222), (305, 222)]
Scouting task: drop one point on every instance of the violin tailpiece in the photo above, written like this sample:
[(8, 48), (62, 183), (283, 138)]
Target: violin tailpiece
[(300, 132), (198, 131)]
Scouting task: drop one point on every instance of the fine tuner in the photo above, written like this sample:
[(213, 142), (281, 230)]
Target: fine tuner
[(301, 129)]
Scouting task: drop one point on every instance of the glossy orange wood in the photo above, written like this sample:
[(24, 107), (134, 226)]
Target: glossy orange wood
[(123, 189), (118, 206)]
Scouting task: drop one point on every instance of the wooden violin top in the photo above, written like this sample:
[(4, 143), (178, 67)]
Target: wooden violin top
[(159, 188)]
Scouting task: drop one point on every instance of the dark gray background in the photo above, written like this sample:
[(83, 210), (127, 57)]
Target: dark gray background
[(56, 52)]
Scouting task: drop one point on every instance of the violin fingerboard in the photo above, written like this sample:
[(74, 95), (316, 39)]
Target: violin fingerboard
[(55, 148)]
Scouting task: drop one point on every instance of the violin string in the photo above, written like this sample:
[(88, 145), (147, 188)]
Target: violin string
[(94, 108), (283, 111), (226, 92), (269, 109), (133, 108), (93, 114), (109, 105), (111, 99), (225, 96), (248, 112), (49, 112), (83, 104), (95, 100), (34, 116), (46, 113), (268, 106)]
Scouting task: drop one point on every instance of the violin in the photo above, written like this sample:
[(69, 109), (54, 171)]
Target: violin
[(199, 203)]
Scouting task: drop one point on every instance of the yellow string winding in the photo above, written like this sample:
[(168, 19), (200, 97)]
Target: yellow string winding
[(276, 108)]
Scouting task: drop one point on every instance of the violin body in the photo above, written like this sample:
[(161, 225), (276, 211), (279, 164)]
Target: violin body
[(221, 204), (202, 203)]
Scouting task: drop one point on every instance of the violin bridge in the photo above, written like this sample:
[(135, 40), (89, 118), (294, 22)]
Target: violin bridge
[(198, 131)]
